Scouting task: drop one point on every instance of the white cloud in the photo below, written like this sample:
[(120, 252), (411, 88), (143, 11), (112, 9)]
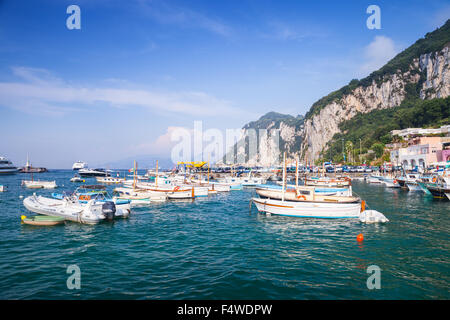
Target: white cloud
[(42, 93), (166, 13), (378, 53)]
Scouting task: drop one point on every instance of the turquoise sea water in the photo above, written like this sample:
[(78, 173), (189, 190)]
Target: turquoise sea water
[(215, 248)]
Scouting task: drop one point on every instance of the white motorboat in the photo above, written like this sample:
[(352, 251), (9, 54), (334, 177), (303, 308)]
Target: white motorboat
[(2, 188), (86, 193), (7, 167), (139, 197), (77, 179), (39, 184), (247, 181), (110, 180), (372, 216), (70, 208), (374, 179), (413, 186), (79, 165)]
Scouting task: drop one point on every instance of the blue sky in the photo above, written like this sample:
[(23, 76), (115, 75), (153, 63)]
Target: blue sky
[(138, 69)]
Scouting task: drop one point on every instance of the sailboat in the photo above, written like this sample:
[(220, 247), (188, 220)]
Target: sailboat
[(39, 184), (28, 168), (309, 205)]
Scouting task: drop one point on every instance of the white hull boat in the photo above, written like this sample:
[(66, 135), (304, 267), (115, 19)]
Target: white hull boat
[(374, 180), (309, 209), (330, 183), (292, 192), (372, 216), (140, 197), (2, 188), (31, 184), (219, 187), (90, 213), (391, 183), (413, 186), (109, 180)]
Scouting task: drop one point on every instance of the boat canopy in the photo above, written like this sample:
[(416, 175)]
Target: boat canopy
[(193, 164)]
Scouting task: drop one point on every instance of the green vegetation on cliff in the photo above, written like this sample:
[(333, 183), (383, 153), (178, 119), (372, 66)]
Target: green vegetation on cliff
[(432, 42), (374, 127)]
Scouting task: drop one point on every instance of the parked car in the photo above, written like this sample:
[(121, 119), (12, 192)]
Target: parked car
[(330, 169), (368, 169)]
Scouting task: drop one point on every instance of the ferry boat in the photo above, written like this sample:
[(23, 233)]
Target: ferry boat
[(6, 166), (79, 165)]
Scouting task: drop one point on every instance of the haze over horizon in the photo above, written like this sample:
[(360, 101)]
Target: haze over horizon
[(135, 72)]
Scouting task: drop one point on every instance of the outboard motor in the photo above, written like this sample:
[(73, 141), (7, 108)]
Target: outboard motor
[(109, 210)]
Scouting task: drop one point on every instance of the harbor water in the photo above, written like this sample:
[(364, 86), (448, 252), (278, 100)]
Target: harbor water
[(218, 247)]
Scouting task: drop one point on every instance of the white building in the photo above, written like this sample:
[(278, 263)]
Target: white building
[(420, 131)]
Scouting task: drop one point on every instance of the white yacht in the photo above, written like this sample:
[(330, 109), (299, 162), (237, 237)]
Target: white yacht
[(79, 165), (6, 166)]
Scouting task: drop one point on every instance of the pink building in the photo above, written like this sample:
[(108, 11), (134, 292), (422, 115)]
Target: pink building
[(423, 151)]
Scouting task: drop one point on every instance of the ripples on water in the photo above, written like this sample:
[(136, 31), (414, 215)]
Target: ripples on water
[(215, 248)]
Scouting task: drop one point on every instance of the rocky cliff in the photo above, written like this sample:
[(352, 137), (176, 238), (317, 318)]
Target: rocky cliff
[(420, 71), (262, 140)]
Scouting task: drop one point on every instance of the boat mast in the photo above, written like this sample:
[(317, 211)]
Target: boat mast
[(284, 175), (156, 179), (209, 159), (134, 175), (296, 173)]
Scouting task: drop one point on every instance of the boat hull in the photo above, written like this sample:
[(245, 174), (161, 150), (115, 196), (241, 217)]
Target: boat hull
[(59, 208), (306, 209)]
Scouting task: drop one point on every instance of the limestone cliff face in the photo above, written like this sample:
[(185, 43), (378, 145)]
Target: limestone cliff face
[(263, 141), (321, 127), (436, 66)]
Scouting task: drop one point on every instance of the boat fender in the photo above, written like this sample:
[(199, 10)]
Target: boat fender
[(109, 210), (363, 205)]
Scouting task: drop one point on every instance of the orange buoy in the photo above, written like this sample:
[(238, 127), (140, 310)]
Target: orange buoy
[(363, 205), (360, 237)]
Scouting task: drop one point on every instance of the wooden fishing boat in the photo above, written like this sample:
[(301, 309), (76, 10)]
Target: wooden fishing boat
[(33, 184), (327, 208), (42, 220), (326, 182)]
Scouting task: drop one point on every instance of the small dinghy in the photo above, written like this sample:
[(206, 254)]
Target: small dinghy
[(42, 220), (372, 216)]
